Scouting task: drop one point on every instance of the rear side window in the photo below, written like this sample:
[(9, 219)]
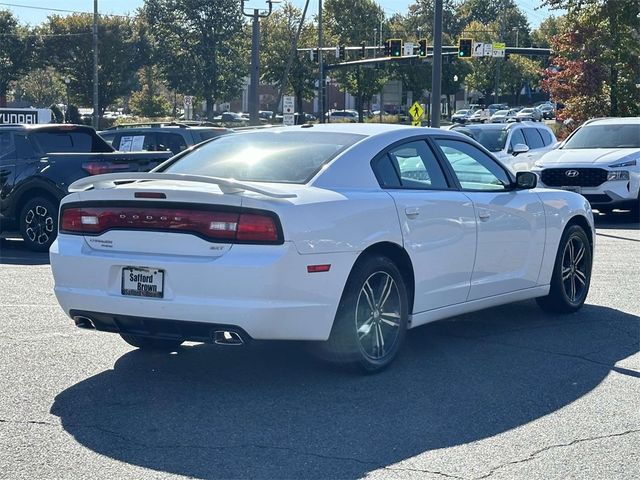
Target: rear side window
[(546, 136), (282, 156), (57, 142), (534, 140), (417, 166), (171, 141), (202, 135)]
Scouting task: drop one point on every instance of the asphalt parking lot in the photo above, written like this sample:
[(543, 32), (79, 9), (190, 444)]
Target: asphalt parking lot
[(505, 393)]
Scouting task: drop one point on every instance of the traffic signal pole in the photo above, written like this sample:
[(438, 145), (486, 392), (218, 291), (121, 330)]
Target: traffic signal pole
[(320, 65), (436, 77)]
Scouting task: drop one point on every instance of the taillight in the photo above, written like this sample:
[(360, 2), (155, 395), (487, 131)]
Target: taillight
[(98, 168), (225, 226)]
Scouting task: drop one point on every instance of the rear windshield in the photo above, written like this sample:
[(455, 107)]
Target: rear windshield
[(606, 136), (283, 157)]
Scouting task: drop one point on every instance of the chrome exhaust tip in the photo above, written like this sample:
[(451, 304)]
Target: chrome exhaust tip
[(226, 337), (84, 322)]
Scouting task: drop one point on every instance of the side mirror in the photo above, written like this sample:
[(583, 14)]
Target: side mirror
[(520, 148), (526, 180)]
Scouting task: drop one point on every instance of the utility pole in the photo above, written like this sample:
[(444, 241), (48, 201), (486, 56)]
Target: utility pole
[(320, 65), (96, 109), (254, 101), (436, 77)]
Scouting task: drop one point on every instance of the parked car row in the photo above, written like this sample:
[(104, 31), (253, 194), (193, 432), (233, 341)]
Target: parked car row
[(501, 113)]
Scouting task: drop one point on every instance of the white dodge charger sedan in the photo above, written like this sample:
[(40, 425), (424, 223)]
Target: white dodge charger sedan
[(345, 235)]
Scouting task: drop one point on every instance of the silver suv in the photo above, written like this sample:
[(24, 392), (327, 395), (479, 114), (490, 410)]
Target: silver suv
[(516, 145)]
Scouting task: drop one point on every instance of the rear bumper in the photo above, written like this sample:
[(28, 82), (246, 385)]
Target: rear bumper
[(263, 290)]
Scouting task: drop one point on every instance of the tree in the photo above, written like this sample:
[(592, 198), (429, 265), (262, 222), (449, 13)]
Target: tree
[(199, 46), (41, 87), (518, 72), (364, 17), (117, 49), (16, 52), (548, 28), (610, 32), (150, 100), (278, 30)]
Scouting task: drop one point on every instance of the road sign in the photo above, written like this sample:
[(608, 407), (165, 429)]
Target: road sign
[(408, 49), (478, 49), (288, 102), (188, 101), (416, 111), (288, 119), (498, 49), (488, 49)]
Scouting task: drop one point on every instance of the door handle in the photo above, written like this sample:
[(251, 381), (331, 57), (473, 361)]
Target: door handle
[(484, 215), (412, 212)]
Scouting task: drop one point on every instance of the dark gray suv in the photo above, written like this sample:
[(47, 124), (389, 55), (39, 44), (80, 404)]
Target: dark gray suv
[(157, 137)]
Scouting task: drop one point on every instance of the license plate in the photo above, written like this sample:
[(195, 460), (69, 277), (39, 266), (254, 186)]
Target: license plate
[(142, 282), (572, 189)]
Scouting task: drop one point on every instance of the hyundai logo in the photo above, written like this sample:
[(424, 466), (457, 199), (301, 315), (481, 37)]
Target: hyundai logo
[(572, 173)]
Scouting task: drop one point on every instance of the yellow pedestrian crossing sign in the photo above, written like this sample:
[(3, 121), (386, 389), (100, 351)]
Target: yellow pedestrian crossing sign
[(416, 111)]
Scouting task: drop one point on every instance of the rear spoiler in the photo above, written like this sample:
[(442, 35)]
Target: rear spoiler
[(111, 180)]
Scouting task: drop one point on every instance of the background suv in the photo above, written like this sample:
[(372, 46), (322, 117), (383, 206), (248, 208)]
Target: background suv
[(516, 145), (600, 160), (159, 137)]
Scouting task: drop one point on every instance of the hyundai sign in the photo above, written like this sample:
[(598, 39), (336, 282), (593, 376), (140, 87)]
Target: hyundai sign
[(28, 116)]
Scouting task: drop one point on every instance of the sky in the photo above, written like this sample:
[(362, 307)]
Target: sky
[(43, 8)]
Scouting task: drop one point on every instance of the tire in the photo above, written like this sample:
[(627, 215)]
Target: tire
[(363, 334), (39, 223), (571, 273), (147, 343)]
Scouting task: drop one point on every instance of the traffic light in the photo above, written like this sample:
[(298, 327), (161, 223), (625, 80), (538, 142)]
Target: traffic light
[(363, 49), (422, 48), (342, 52), (387, 48), (395, 47), (465, 48)]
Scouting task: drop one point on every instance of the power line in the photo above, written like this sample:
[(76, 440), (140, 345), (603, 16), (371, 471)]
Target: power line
[(43, 34), (60, 10)]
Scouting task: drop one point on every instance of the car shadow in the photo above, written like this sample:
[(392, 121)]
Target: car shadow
[(617, 220), (13, 252), (271, 411)]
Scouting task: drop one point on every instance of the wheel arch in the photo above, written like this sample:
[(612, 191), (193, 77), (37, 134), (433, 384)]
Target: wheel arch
[(399, 256), (34, 192), (581, 221)]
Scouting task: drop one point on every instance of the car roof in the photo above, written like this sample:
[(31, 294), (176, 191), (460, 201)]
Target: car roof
[(365, 129)]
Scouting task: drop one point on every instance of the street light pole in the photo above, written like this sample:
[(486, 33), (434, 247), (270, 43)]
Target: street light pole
[(96, 112), (254, 101), (67, 80)]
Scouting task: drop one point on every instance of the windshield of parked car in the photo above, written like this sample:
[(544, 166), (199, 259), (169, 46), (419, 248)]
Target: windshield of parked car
[(462, 112), (606, 136), (493, 139), (501, 112), (282, 157), (526, 110)]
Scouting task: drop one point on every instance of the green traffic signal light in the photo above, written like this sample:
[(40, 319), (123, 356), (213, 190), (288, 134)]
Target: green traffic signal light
[(465, 48)]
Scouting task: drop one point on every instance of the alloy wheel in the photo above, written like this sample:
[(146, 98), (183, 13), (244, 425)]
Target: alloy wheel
[(39, 224), (377, 315), (574, 269)]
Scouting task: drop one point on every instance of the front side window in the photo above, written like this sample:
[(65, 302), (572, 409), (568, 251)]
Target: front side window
[(282, 156), (516, 138), (474, 169), (7, 149), (546, 136)]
